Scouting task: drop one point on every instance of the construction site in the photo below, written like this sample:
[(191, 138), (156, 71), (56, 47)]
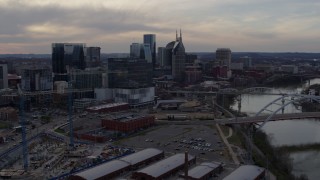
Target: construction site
[(86, 139)]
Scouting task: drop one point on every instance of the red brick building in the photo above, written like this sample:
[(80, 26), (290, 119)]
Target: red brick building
[(127, 122), (8, 114)]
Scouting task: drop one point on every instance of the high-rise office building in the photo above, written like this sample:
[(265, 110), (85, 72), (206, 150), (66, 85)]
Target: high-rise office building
[(129, 73), (177, 53), (191, 58), (163, 57), (223, 55), (247, 62), (141, 51), (66, 56), (3, 76), (131, 81), (147, 54), (151, 40), (135, 49), (87, 79), (36, 79), (93, 57)]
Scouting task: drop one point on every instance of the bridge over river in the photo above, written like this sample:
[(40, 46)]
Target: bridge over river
[(276, 117)]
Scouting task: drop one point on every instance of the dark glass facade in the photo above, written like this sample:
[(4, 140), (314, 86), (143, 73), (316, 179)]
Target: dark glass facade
[(86, 80), (129, 73), (1, 72), (93, 57), (67, 55), (1, 78), (151, 40)]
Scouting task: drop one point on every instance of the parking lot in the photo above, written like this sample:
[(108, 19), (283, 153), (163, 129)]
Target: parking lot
[(202, 141)]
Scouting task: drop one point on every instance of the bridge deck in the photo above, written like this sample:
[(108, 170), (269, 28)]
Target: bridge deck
[(277, 117)]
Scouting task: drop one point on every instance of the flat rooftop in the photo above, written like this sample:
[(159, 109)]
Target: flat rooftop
[(103, 106), (124, 117)]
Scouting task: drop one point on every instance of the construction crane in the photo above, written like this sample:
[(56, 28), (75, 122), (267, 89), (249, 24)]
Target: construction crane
[(23, 95), (70, 114), (23, 129)]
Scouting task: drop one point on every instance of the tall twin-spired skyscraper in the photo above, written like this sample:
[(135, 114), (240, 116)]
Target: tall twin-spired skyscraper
[(151, 40)]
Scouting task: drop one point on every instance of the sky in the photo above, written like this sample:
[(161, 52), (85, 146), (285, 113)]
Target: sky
[(31, 26)]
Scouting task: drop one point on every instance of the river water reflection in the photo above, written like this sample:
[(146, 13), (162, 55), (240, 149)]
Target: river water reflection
[(289, 132)]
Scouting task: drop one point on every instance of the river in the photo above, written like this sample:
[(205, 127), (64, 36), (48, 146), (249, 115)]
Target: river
[(289, 132)]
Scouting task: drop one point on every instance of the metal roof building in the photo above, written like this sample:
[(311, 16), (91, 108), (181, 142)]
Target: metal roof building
[(164, 168), (204, 171), (145, 156), (246, 172), (114, 168), (104, 171)]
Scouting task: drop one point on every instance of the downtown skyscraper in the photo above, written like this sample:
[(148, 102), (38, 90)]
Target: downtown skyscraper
[(151, 40), (67, 56), (3, 76)]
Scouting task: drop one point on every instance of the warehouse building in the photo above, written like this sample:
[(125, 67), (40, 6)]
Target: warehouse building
[(164, 168), (204, 171), (115, 168), (127, 122), (104, 171), (247, 172), (143, 157)]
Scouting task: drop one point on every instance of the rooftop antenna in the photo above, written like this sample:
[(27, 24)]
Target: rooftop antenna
[(177, 35)]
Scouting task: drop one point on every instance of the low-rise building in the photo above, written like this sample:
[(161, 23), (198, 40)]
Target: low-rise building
[(144, 157), (110, 107), (8, 114), (292, 69), (164, 168), (247, 172), (104, 171), (80, 104), (127, 122), (204, 171), (268, 68), (193, 74), (136, 97), (112, 169), (236, 66)]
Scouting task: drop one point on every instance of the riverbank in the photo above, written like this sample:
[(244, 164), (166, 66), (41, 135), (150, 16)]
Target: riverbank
[(299, 148)]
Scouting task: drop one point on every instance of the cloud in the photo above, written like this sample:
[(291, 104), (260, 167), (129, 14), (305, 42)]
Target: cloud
[(243, 25)]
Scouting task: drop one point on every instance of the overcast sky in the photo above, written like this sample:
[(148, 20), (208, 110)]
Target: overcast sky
[(30, 26)]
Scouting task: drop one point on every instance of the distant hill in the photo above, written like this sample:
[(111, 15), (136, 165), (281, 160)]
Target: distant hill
[(288, 55), (201, 55), (25, 56)]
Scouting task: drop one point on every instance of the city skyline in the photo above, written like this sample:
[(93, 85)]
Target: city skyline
[(264, 26)]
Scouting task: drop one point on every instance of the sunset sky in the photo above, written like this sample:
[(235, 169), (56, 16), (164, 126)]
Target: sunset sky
[(30, 26)]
